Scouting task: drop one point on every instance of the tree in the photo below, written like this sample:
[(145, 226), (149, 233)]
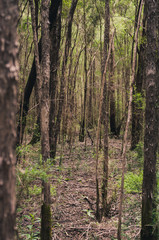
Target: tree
[(125, 139), (106, 107), (137, 104), (83, 120), (44, 117), (24, 105), (112, 94), (56, 124), (43, 80), (8, 92), (149, 190), (55, 38)]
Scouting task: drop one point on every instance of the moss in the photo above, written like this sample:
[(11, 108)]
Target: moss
[(45, 222)]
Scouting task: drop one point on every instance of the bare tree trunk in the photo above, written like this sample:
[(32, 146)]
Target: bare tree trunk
[(55, 37), (83, 120), (149, 189), (43, 84), (62, 80), (125, 140), (8, 104), (32, 78), (69, 111), (106, 109), (137, 105), (44, 116), (90, 97), (112, 94), (98, 212)]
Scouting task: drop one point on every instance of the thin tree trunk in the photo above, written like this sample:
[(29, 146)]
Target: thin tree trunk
[(106, 109), (67, 116), (137, 105), (83, 121), (8, 104), (90, 102), (112, 95), (125, 140), (69, 111), (43, 81), (98, 213), (44, 117)]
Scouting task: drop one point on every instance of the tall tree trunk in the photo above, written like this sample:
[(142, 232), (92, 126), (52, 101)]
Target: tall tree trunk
[(137, 105), (98, 212), (83, 120), (112, 95), (91, 79), (106, 109), (69, 110), (44, 117), (55, 37), (149, 188), (43, 77), (62, 79), (32, 78), (8, 104), (125, 140)]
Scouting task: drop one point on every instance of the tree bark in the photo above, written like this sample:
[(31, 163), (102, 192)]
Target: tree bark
[(112, 94), (32, 78), (62, 79), (149, 189), (98, 212), (106, 109), (83, 120), (43, 78), (137, 104), (44, 117), (125, 140), (8, 104), (55, 37)]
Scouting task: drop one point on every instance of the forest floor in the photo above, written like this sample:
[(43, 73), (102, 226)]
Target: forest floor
[(73, 194)]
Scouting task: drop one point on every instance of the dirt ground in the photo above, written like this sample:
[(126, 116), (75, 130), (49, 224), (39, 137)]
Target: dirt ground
[(73, 191)]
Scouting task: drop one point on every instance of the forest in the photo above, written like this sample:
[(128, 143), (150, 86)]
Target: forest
[(79, 119)]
